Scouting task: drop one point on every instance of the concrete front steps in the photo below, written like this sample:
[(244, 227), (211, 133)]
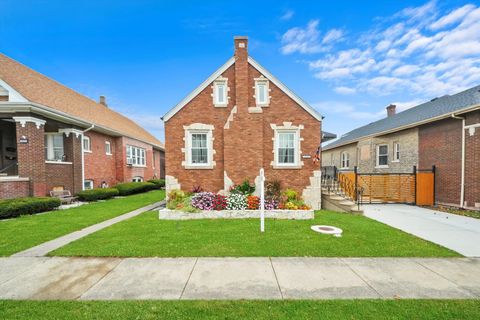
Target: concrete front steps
[(338, 202)]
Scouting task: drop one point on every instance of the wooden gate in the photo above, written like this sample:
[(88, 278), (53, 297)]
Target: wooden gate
[(417, 187)]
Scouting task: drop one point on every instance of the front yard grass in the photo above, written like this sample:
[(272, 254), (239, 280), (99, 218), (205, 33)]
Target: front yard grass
[(27, 231), (147, 236), (300, 309)]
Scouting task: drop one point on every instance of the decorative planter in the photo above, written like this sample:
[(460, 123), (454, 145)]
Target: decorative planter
[(167, 214)]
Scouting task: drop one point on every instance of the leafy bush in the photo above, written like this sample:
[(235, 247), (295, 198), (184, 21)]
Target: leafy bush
[(236, 201), (203, 200), (97, 194), (176, 194), (12, 208), (159, 183), (220, 202), (184, 204), (290, 195), (253, 202), (273, 190), (245, 188), (128, 188)]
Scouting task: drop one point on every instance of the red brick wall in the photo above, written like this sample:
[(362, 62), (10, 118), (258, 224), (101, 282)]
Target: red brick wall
[(127, 173), (440, 144), (14, 189), (247, 146), (472, 161), (31, 157), (99, 166), (59, 175)]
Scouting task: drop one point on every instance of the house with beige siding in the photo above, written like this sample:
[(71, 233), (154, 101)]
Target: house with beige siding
[(443, 132)]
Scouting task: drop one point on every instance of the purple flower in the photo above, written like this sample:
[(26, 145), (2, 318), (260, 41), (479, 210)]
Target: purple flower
[(204, 201)]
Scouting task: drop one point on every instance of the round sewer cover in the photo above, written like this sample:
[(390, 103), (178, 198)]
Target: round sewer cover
[(337, 232)]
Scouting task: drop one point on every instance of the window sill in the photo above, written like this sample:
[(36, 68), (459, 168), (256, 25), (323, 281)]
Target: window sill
[(57, 162), (193, 167), (219, 105), (381, 167), (295, 167), (135, 166), (395, 161), (108, 154), (87, 151), (344, 168)]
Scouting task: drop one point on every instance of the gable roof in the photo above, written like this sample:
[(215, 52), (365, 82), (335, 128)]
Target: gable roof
[(37, 88), (257, 66), (436, 109)]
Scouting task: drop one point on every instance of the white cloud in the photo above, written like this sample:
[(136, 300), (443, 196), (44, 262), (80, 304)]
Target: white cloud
[(347, 109), (345, 90), (420, 51), (302, 40), (287, 15)]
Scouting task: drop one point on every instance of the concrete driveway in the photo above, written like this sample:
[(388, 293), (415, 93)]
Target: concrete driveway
[(458, 233)]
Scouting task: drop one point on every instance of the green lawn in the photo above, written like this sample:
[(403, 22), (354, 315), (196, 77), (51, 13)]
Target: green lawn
[(146, 235), (326, 309), (27, 231)]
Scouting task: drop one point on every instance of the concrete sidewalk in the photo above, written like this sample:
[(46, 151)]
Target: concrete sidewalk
[(238, 278), (455, 232), (44, 248)]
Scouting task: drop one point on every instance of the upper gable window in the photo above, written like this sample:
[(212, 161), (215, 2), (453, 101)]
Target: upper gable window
[(220, 92), (262, 92)]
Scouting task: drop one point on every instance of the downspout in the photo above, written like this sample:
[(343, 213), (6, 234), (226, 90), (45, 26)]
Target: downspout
[(83, 155), (462, 186)]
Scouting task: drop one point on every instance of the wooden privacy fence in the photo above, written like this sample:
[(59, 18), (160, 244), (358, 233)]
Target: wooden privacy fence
[(417, 187)]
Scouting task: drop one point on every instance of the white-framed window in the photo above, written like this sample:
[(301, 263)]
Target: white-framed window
[(396, 151), (382, 155), (198, 146), (286, 147), (136, 156), (108, 148), (262, 92), (345, 160), (87, 146), (88, 185), (137, 179), (220, 92), (54, 147)]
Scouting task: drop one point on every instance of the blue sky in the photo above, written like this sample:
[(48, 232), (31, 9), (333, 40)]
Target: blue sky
[(348, 59)]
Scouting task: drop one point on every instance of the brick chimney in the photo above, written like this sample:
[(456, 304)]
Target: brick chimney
[(241, 72), (391, 110), (103, 100)]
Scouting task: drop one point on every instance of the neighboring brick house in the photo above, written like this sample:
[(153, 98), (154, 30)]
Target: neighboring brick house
[(51, 136), (432, 133), (239, 120)]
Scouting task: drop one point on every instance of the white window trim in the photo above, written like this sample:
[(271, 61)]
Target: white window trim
[(89, 150), (223, 81), (265, 81), (198, 128), (136, 165), (377, 156), (55, 161), (137, 178), (109, 147), (287, 127), (91, 184), (396, 149), (344, 160)]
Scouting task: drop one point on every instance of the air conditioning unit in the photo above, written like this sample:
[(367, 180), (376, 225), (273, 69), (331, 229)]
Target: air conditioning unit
[(129, 161)]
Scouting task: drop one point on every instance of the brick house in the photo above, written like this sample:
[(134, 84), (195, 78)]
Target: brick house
[(444, 132), (239, 120), (52, 136)]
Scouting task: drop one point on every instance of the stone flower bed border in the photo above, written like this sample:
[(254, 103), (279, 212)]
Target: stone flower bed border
[(167, 214)]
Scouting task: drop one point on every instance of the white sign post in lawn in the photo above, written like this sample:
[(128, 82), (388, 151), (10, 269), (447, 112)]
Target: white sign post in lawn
[(262, 200)]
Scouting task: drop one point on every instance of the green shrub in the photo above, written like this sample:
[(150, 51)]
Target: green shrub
[(97, 194), (290, 195), (159, 183), (129, 188), (245, 188), (12, 208)]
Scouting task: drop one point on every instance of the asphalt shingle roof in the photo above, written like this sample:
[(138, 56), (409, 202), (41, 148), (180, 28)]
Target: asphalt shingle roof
[(436, 107)]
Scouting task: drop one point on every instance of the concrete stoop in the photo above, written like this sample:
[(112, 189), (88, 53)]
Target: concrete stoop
[(337, 202), (312, 194)]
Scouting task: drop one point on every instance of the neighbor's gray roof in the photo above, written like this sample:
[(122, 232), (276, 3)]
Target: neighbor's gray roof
[(435, 108)]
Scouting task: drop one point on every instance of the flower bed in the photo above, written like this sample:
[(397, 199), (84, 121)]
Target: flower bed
[(239, 203)]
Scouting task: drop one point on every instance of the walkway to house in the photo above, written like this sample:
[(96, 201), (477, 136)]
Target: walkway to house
[(44, 248), (458, 233), (238, 278)]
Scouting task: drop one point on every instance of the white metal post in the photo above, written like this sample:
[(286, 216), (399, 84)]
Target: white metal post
[(262, 200)]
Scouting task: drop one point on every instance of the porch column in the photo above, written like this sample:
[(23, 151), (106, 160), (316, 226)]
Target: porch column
[(31, 154)]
